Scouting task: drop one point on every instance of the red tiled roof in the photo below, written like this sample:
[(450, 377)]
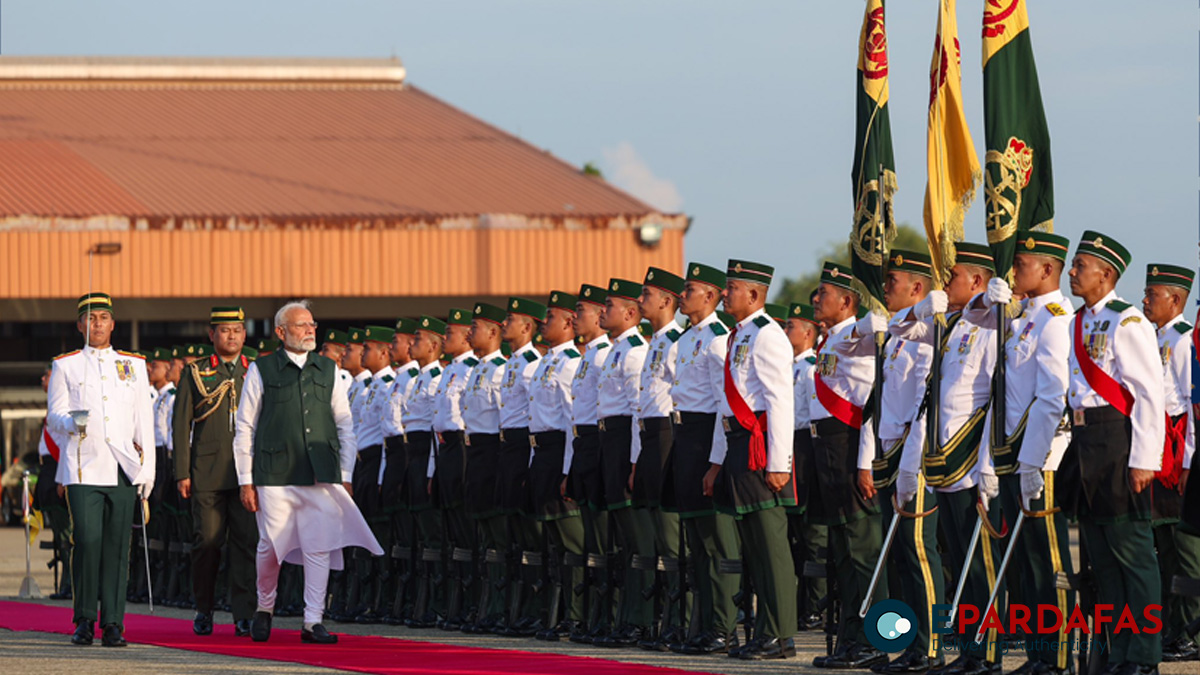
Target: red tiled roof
[(303, 153)]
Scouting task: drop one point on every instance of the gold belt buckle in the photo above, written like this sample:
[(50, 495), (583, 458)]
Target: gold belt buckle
[(600, 424), (533, 441), (574, 431), (1079, 417), (641, 425), (676, 417), (501, 435), (466, 439), (812, 428), (725, 424)]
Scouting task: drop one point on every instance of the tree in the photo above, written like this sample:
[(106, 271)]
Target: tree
[(798, 289), (590, 169)]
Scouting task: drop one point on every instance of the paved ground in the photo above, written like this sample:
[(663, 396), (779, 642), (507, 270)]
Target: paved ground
[(43, 653)]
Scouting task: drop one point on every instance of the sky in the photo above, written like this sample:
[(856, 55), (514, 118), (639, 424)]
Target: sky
[(739, 114)]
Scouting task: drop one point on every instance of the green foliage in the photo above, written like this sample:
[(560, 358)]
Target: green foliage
[(590, 169), (798, 289)]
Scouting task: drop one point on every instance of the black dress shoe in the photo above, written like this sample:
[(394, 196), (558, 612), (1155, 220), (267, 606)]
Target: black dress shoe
[(978, 666), (241, 628), (112, 636), (625, 637), (202, 624), (811, 622), (85, 632), (368, 617), (908, 662), (587, 637), (1181, 649), (260, 627), (772, 648), (318, 636), (61, 595), (711, 642), (855, 656), (429, 620), (560, 632)]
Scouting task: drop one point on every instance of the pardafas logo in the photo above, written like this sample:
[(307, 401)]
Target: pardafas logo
[(891, 626)]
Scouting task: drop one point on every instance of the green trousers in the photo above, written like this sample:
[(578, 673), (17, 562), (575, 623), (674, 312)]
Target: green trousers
[(667, 531), (431, 533), (854, 549), (218, 517), (1042, 552), (567, 536), (772, 571), (957, 516), (711, 539), (494, 530), (1122, 557), (914, 564), (635, 535), (103, 519), (1187, 548)]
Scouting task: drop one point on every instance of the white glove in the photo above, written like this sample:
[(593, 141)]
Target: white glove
[(998, 292), (906, 487), (1031, 483), (872, 323), (144, 490), (934, 303), (989, 488)]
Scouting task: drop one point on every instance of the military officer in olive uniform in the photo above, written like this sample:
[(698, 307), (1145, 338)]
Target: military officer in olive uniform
[(1118, 413), (100, 398), (203, 427)]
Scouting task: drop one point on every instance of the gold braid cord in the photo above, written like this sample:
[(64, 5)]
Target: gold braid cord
[(216, 397)]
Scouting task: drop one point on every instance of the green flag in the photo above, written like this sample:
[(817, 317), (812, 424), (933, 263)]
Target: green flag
[(1019, 182)]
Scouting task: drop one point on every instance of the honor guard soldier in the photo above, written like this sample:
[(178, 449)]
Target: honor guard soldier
[(585, 481), (345, 583), (268, 346), (160, 370), (696, 393), (617, 403), (100, 398), (1167, 289), (334, 347), (809, 540), (915, 576), (954, 468), (1115, 393), (512, 487), (449, 464), (755, 476), (352, 363), (1037, 348), (549, 414), (47, 499), (203, 427), (392, 470), (376, 358), (481, 414), (844, 497)]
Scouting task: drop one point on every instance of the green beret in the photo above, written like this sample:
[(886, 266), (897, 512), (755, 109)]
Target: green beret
[(803, 312), (490, 312), (1162, 274), (458, 317), (623, 288), (143, 353), (645, 329), (334, 336), (562, 300), (1105, 248), (726, 318), (539, 340), (979, 255), (913, 262), (220, 315), (1043, 243), (356, 335), (268, 345), (592, 294), (706, 275), (204, 351), (530, 308), (837, 275), (777, 312), (664, 281), (190, 350), (162, 354), (93, 301), (178, 351), (429, 323), (750, 271), (379, 334), (405, 326), (250, 353)]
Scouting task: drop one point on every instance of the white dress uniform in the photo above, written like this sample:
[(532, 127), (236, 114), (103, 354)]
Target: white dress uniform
[(803, 366), (758, 356), (514, 388), (481, 398), (1175, 347), (305, 525), (447, 408), (356, 394), (374, 408), (112, 386), (164, 409), (657, 376), (850, 377), (699, 384), (393, 412), (619, 380), (550, 390), (419, 404), (585, 390)]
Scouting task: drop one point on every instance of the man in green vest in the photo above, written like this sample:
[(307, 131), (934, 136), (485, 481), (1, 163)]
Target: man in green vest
[(295, 453), (203, 426)]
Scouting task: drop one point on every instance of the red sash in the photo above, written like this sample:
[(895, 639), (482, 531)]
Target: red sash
[(1172, 462), (837, 406), (745, 416), (50, 444), (1101, 382)]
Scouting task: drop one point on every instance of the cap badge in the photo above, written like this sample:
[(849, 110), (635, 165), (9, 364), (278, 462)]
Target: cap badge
[(738, 268), (457, 316), (425, 323), (898, 260), (616, 285), (1154, 271), (649, 275), (1030, 244), (515, 304), (587, 292), (1098, 242), (833, 272), (695, 271), (554, 298)]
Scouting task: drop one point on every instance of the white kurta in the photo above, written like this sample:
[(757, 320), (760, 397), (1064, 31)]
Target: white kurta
[(298, 519)]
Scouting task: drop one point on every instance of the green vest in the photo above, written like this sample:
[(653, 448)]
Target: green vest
[(295, 440)]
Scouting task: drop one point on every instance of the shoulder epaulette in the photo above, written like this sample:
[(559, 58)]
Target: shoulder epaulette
[(531, 355), (171, 390), (413, 372), (135, 355), (718, 328), (67, 354), (1132, 318), (1056, 309), (471, 361), (498, 361), (1118, 305), (634, 341), (435, 372), (572, 354), (602, 345), (673, 335), (1183, 327), (762, 321), (388, 378), (811, 360)]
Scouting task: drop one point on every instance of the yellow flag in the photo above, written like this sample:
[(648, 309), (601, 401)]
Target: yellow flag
[(35, 524), (954, 171)]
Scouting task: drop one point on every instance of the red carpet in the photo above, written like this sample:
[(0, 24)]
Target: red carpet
[(364, 654)]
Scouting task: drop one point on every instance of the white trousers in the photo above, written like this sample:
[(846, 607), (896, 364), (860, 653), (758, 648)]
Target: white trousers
[(316, 580)]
